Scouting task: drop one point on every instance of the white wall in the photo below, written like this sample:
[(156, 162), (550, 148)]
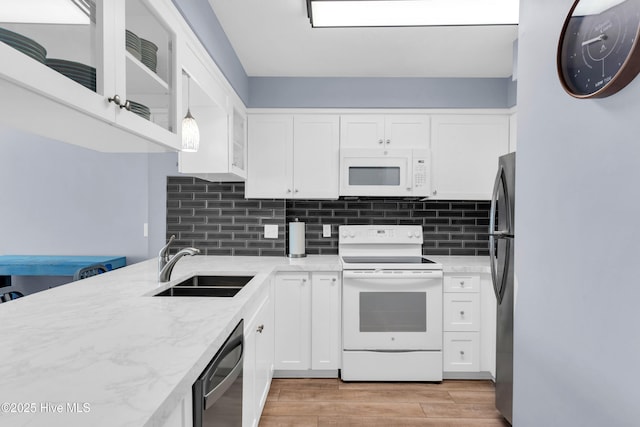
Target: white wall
[(60, 199), (578, 242)]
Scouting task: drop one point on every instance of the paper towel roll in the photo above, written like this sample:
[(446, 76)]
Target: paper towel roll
[(296, 239)]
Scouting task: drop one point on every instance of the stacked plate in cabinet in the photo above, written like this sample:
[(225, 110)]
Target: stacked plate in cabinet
[(133, 44), (140, 109), (81, 73), (143, 50), (24, 44), (149, 54)]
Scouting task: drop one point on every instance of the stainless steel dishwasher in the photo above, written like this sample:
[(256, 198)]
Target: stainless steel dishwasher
[(217, 393)]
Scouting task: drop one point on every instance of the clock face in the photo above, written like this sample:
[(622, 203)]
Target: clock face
[(597, 53)]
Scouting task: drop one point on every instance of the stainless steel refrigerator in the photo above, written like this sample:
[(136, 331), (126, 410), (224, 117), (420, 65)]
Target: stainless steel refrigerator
[(501, 243)]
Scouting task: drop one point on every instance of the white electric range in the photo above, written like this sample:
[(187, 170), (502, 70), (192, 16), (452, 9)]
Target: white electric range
[(391, 305)]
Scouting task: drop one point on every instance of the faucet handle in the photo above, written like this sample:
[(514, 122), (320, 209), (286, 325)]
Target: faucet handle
[(164, 252)]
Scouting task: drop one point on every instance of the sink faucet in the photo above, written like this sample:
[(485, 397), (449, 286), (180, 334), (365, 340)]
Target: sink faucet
[(163, 255), (166, 263)]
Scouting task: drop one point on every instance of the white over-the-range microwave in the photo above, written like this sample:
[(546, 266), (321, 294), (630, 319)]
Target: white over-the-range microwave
[(390, 173)]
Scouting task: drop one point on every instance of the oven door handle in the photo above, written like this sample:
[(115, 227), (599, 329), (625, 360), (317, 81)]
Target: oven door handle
[(385, 275)]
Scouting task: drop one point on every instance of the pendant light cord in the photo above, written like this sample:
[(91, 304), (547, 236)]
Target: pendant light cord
[(188, 94)]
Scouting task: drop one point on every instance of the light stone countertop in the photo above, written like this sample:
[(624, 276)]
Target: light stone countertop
[(463, 264), (107, 342)]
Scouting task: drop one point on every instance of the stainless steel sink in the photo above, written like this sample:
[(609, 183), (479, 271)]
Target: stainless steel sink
[(207, 286)]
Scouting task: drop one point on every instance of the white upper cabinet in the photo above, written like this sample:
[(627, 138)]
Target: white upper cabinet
[(384, 131), (270, 156), (465, 150), (293, 156), (316, 156), (221, 122), (80, 79)]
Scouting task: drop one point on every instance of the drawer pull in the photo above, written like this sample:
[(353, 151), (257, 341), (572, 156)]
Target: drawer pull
[(461, 313), (462, 283), (461, 353)]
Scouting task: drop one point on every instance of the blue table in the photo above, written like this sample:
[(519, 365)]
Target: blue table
[(51, 265)]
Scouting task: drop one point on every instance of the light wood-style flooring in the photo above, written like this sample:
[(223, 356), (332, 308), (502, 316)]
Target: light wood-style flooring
[(331, 402)]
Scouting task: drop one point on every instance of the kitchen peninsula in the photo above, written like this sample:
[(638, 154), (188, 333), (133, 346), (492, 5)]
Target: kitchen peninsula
[(127, 358)]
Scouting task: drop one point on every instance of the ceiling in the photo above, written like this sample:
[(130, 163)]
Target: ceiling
[(275, 38)]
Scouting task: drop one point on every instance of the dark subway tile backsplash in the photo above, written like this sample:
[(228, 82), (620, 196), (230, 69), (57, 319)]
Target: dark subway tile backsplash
[(216, 218)]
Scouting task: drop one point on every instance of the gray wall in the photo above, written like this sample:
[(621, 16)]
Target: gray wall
[(578, 242), (317, 92), (205, 25)]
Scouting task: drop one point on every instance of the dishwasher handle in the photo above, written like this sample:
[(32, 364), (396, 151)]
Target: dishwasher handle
[(212, 396)]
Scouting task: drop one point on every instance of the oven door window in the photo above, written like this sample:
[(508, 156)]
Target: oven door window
[(374, 175), (380, 312), (393, 312)]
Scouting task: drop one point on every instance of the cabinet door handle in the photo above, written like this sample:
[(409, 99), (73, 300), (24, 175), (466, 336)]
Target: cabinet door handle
[(126, 105), (115, 99), (304, 281), (288, 190), (388, 141), (260, 329), (295, 191), (435, 192), (380, 141)]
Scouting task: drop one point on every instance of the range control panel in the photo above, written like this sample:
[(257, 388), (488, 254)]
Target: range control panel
[(380, 234)]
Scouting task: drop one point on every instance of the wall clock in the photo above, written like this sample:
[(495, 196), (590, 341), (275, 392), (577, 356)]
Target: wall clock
[(598, 53)]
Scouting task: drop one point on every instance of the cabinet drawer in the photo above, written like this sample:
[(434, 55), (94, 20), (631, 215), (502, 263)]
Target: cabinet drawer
[(461, 312), (459, 283), (461, 352)]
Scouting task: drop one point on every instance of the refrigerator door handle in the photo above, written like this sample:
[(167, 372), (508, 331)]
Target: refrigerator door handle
[(494, 202), (503, 277), (492, 232), (492, 262)]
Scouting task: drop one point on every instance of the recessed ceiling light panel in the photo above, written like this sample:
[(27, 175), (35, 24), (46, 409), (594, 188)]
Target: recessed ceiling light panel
[(44, 12), (400, 13)]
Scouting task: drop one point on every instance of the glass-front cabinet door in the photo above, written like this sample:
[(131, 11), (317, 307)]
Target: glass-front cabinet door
[(145, 69), (74, 72), (239, 143)]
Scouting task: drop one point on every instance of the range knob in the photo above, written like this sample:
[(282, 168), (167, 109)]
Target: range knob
[(409, 234), (344, 235), (417, 234), (352, 234)]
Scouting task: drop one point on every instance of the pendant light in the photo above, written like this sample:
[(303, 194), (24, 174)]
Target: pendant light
[(190, 131)]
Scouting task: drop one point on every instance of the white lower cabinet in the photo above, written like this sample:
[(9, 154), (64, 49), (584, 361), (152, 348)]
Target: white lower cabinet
[(258, 358), (307, 324), (182, 415), (469, 326), (461, 351)]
